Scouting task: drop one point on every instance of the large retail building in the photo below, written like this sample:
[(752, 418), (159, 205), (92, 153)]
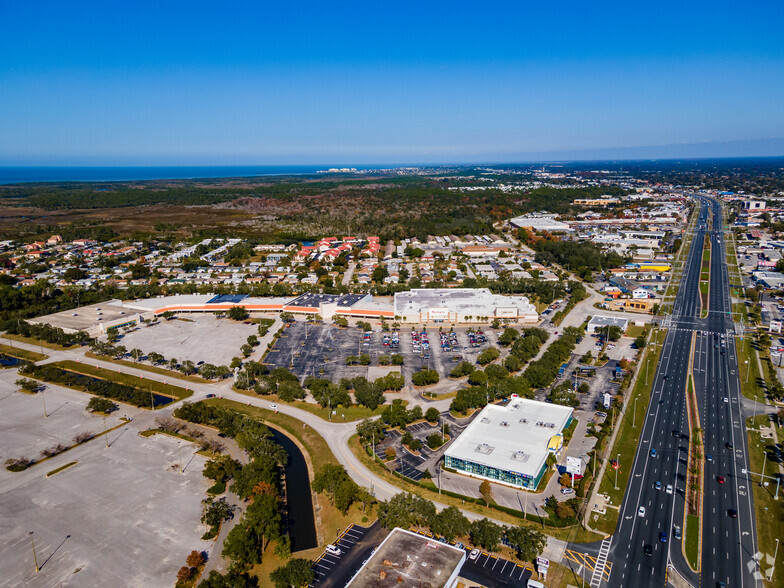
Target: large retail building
[(510, 444)]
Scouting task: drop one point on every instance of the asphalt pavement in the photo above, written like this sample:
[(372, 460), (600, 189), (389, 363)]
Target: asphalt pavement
[(642, 547)]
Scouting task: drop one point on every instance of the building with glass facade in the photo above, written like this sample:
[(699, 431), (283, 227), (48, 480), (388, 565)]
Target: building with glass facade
[(510, 444)]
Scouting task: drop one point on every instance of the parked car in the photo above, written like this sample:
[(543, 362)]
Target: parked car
[(474, 554), (333, 550)]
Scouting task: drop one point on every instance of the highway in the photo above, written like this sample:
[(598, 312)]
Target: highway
[(655, 498)]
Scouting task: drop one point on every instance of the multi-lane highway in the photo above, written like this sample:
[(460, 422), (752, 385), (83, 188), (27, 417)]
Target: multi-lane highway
[(642, 548)]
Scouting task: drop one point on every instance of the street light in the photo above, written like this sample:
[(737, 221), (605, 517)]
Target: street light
[(618, 464), (35, 558), (773, 567)]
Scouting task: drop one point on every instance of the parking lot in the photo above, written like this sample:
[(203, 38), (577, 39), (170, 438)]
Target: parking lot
[(491, 570), (197, 337), (25, 432), (356, 544), (308, 349), (124, 515)]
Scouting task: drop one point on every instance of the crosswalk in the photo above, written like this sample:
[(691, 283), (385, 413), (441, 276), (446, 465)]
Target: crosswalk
[(601, 564)]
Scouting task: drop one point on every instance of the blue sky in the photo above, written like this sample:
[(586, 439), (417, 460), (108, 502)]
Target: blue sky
[(395, 82)]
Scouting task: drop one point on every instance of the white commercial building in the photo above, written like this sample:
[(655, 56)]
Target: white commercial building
[(510, 444), (540, 223), (461, 305)]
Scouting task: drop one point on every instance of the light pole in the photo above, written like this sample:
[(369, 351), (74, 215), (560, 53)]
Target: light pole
[(43, 399), (634, 414), (35, 557), (647, 363)]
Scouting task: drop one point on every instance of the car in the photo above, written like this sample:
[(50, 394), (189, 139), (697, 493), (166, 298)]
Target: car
[(274, 407), (676, 532), (732, 513), (675, 432), (728, 445), (726, 399), (333, 550), (657, 485), (648, 550), (210, 395), (653, 453), (663, 536), (567, 491), (641, 511), (666, 377), (668, 489), (709, 458), (474, 554), (720, 479)]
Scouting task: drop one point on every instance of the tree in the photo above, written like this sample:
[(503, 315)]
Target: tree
[(214, 513), (486, 534), (435, 440), (527, 542), (238, 313), (195, 559), (231, 579), (136, 354), (464, 368), (297, 572), (425, 377), (487, 356), (184, 574), (335, 481), (614, 332), (639, 342), (486, 490), (74, 273), (508, 337), (432, 415), (104, 405), (404, 510), (450, 523), (28, 385), (371, 430), (584, 388)]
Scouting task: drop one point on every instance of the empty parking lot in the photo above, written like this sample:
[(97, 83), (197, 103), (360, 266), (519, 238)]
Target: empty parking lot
[(196, 337)]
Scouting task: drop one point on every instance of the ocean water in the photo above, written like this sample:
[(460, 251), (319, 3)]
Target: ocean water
[(33, 174)]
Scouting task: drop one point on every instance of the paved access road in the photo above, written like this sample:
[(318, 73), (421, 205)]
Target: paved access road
[(655, 499)]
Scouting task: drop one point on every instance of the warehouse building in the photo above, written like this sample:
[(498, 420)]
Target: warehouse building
[(510, 444), (408, 559), (597, 323), (462, 305)]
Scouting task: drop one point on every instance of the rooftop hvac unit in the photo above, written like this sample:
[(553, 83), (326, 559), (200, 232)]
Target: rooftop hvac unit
[(484, 448), (504, 424), (485, 420)]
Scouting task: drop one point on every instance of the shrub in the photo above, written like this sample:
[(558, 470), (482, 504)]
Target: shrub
[(435, 440), (103, 405), (487, 356)]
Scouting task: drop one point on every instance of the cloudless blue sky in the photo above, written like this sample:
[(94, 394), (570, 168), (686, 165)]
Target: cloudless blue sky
[(256, 82)]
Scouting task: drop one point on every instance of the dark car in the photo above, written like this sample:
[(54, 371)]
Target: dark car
[(732, 513), (675, 432), (648, 550), (666, 377), (663, 537), (210, 395), (728, 445)]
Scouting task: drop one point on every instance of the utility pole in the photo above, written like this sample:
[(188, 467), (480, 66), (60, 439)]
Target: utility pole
[(634, 415), (43, 399), (105, 434)]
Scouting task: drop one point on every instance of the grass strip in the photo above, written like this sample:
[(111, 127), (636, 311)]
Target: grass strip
[(22, 354), (748, 370), (342, 415), (149, 368), (61, 468), (38, 342), (768, 511), (692, 541), (157, 387)]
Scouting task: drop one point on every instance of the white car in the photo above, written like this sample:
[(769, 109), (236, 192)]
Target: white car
[(333, 550), (641, 511), (669, 489), (474, 554), (726, 399)]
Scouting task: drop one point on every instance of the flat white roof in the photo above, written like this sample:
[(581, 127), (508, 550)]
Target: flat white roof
[(514, 437), (458, 300)]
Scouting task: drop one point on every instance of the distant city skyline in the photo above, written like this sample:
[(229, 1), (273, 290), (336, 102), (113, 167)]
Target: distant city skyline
[(91, 83)]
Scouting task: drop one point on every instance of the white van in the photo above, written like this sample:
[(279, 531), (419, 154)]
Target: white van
[(535, 584)]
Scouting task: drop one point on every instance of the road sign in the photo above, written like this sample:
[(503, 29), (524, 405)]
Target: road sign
[(574, 465), (542, 563)]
